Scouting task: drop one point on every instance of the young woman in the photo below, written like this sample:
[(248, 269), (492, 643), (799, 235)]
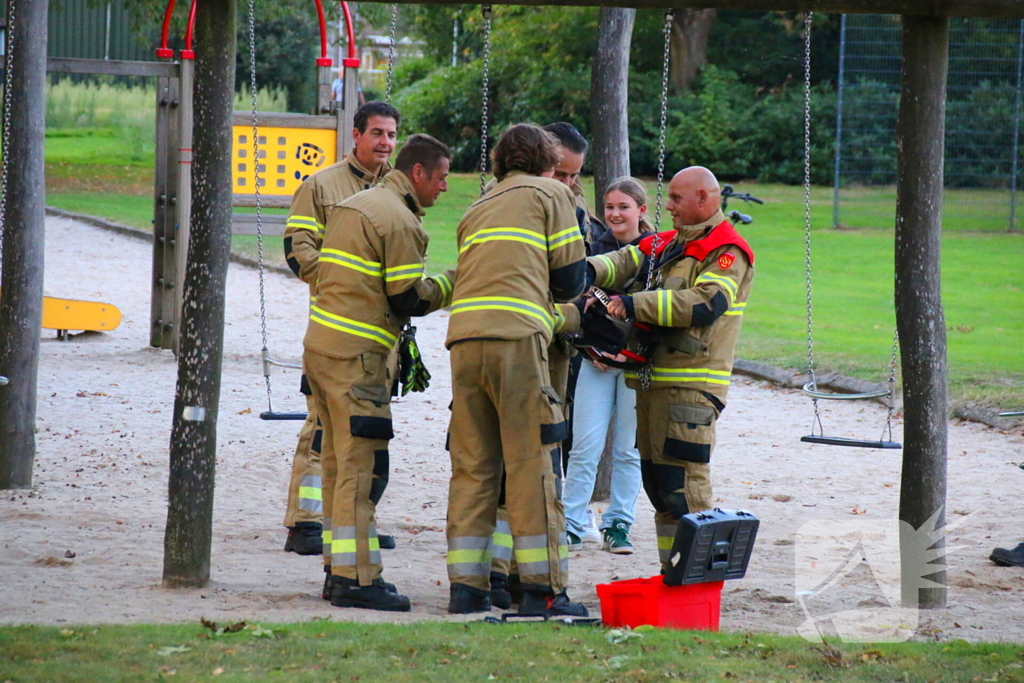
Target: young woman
[(602, 399)]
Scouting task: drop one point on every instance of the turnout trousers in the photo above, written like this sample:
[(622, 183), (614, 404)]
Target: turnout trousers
[(305, 503), (675, 433), (353, 402), (502, 561), (507, 418)]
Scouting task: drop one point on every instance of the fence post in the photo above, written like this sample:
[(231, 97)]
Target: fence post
[(1016, 130), (839, 122)]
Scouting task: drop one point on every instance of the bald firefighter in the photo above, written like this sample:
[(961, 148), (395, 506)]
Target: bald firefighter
[(696, 298), (376, 128), (371, 281), (520, 249)]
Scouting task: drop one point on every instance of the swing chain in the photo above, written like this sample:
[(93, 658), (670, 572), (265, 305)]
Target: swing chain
[(667, 31), (256, 190), (808, 18), (8, 90), (486, 9), (891, 400), (391, 49)]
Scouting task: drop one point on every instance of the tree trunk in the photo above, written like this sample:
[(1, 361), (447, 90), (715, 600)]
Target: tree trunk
[(920, 133), (21, 288), (689, 49), (609, 85), (193, 449)]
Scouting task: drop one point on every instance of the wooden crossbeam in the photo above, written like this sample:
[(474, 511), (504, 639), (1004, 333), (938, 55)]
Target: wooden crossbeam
[(923, 8)]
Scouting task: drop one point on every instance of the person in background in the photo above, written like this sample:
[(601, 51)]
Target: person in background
[(338, 88), (604, 400)]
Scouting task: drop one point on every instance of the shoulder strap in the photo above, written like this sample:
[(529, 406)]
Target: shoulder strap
[(724, 233)]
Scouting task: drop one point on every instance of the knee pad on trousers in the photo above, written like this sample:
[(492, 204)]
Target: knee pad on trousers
[(370, 427), (381, 467), (650, 482), (665, 486), (318, 439)]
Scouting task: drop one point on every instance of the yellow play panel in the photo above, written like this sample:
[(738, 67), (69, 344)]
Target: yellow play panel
[(71, 314), (287, 156)]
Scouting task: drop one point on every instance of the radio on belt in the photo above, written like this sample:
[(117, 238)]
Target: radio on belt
[(711, 546)]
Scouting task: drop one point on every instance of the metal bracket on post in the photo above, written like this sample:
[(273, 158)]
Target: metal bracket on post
[(349, 104)]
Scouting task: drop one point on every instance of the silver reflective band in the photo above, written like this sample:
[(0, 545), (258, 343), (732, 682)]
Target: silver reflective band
[(193, 414)]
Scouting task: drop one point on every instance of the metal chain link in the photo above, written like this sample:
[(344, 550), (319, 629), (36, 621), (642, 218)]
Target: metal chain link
[(891, 402), (808, 17), (486, 9), (259, 205), (653, 275), (8, 90), (667, 31), (391, 49)]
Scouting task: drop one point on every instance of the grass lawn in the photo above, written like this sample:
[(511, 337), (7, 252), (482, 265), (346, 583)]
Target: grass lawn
[(324, 651), (854, 318)]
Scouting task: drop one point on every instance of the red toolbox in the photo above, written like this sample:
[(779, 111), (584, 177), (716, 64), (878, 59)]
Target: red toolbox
[(639, 602)]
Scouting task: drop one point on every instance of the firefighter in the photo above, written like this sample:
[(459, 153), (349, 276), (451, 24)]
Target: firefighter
[(520, 248), (376, 128), (696, 298), (371, 280)]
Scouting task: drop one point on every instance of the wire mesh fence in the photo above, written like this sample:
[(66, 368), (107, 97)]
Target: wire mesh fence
[(983, 120)]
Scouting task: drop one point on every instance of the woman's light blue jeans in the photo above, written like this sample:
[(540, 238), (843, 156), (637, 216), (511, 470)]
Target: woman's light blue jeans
[(602, 399)]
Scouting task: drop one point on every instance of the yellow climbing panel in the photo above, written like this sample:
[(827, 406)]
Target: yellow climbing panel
[(287, 156)]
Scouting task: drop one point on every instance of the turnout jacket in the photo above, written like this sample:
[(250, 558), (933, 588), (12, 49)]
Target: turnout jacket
[(520, 250), (311, 205), (371, 273), (706, 272)]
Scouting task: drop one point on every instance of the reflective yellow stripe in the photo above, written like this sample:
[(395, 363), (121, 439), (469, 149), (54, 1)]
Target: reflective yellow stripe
[(498, 303), (727, 283), (409, 272), (524, 556), (664, 307), (505, 234), (343, 258), (467, 556), (737, 308), (665, 542), (445, 285), (609, 275), (348, 545), (690, 375), (311, 492), (305, 223), (560, 239), (635, 253), (502, 540), (342, 324), (559, 320)]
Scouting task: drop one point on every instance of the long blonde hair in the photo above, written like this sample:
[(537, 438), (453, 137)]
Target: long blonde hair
[(635, 190)]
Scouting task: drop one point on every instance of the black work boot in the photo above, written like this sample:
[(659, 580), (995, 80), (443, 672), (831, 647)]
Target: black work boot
[(500, 597), (329, 583), (515, 589), (466, 599), (548, 604), (305, 538), (386, 542), (348, 593), (1008, 558)]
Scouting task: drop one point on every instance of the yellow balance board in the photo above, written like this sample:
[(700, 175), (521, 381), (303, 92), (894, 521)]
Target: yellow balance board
[(71, 314)]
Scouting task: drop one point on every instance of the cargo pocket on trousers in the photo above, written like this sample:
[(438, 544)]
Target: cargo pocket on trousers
[(371, 412), (691, 433), (553, 428)]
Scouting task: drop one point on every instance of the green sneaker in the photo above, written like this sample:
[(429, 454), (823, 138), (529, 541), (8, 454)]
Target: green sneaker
[(616, 538), (575, 542)]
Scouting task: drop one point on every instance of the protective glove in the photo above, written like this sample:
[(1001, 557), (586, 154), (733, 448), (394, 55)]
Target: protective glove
[(412, 372)]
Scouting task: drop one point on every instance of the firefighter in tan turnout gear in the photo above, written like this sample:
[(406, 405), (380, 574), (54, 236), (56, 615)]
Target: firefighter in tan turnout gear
[(699, 290), (374, 135), (520, 249), (371, 280)]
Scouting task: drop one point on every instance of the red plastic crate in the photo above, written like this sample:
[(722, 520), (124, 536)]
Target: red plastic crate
[(639, 602)]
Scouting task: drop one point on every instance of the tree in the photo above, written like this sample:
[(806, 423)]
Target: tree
[(691, 29), (21, 295), (609, 85), (193, 450)]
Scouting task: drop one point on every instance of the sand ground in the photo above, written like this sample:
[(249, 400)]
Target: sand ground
[(85, 544)]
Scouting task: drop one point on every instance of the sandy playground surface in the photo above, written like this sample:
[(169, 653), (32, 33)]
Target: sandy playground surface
[(85, 545)]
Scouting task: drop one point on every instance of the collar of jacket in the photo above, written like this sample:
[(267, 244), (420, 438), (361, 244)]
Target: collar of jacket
[(361, 171), (610, 239), (688, 233), (399, 183)]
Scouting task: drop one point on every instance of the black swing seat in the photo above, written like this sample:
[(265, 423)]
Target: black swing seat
[(271, 415), (853, 443)]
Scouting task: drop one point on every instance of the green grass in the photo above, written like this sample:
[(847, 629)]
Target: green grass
[(94, 170), (323, 651)]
